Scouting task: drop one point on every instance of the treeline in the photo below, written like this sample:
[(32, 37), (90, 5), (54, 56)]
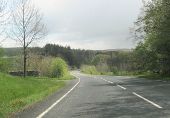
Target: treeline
[(74, 57), (101, 62), (104, 61), (113, 62)]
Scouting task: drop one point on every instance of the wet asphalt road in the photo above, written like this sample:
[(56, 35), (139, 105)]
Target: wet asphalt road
[(107, 97)]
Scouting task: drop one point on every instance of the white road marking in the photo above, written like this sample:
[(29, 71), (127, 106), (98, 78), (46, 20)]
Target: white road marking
[(107, 81), (112, 83), (122, 87), (53, 105), (154, 104)]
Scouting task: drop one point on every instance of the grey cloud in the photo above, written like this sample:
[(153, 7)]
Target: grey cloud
[(93, 24)]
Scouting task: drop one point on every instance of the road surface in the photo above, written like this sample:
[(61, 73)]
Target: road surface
[(105, 97)]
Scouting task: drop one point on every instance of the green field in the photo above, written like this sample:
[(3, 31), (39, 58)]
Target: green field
[(17, 93)]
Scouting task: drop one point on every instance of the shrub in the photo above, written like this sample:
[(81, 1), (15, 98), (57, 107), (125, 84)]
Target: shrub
[(44, 66), (89, 69), (115, 70), (58, 68)]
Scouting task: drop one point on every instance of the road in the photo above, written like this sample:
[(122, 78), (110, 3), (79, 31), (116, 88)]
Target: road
[(106, 97)]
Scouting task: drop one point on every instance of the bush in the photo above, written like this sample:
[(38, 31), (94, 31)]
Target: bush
[(115, 70), (44, 66), (89, 69), (58, 68)]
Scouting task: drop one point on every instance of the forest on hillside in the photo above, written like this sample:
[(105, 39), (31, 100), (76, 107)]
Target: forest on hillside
[(112, 62)]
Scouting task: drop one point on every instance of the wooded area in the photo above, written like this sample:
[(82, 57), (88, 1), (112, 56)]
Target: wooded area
[(151, 55)]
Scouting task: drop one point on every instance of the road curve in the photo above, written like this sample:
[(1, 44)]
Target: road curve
[(106, 97)]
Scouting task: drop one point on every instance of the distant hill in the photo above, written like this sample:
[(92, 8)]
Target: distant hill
[(117, 50), (16, 51), (12, 51)]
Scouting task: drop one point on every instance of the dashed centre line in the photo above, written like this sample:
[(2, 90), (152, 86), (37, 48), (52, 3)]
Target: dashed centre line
[(122, 87), (107, 81), (112, 83), (152, 103)]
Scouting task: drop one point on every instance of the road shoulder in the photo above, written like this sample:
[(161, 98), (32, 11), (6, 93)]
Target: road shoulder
[(37, 108)]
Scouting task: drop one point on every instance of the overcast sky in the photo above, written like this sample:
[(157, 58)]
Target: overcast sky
[(88, 24)]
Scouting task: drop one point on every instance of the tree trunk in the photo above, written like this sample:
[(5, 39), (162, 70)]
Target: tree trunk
[(25, 62)]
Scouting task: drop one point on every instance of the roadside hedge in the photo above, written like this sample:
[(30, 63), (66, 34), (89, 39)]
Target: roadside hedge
[(58, 68)]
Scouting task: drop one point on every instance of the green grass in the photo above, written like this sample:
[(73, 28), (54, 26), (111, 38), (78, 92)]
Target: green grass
[(154, 76), (120, 73), (147, 75), (66, 77), (17, 93), (125, 73)]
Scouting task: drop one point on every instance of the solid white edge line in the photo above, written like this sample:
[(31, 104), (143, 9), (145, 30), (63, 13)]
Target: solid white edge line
[(59, 100), (154, 104), (122, 87)]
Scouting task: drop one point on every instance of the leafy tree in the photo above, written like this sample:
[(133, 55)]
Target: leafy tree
[(101, 62), (120, 61), (144, 59), (155, 25)]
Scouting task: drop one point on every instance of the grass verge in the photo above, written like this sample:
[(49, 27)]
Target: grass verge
[(17, 93), (146, 75), (154, 76)]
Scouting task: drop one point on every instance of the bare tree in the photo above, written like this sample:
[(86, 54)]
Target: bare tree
[(27, 26), (2, 11), (3, 17)]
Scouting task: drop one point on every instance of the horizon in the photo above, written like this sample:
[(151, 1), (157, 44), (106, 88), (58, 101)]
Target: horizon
[(73, 48)]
